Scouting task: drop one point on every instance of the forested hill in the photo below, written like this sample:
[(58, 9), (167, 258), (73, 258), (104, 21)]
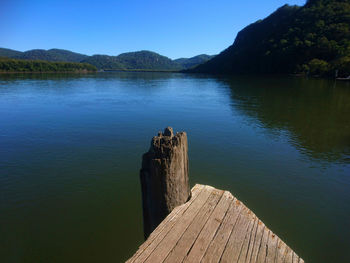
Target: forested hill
[(146, 60), (187, 63), (41, 54), (311, 39), (141, 60), (24, 65), (10, 53)]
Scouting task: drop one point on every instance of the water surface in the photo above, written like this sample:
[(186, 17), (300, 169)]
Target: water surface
[(71, 146)]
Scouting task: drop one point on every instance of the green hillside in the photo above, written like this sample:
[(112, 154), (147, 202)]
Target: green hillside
[(187, 63), (52, 55), (313, 39), (22, 65), (147, 60), (5, 52), (41, 54), (105, 62)]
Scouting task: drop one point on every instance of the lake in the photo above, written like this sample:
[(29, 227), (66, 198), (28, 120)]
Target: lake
[(71, 147)]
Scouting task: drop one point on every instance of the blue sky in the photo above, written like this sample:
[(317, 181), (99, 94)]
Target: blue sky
[(177, 28)]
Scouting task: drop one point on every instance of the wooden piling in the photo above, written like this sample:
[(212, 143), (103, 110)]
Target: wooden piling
[(164, 177)]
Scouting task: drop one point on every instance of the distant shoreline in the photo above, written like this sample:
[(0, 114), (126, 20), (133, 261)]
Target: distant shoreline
[(46, 72), (296, 75), (84, 72), (139, 70)]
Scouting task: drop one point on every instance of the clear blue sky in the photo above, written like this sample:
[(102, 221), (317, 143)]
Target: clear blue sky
[(174, 28)]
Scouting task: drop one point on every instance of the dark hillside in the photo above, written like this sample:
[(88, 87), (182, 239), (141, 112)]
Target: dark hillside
[(311, 39)]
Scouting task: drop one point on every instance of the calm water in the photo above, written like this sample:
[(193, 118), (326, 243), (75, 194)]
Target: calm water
[(71, 146)]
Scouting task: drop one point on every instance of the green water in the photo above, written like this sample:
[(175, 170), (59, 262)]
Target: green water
[(71, 146)]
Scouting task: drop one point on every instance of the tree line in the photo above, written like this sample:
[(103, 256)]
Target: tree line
[(21, 65)]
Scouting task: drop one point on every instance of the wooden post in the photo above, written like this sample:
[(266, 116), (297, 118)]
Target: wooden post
[(164, 177)]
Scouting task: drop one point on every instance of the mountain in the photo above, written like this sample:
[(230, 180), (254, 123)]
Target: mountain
[(5, 52), (104, 62), (41, 54), (52, 55), (314, 38), (147, 60), (144, 60), (140, 60), (187, 63)]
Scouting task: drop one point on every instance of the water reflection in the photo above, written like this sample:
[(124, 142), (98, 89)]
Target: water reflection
[(44, 76), (315, 112), (99, 75)]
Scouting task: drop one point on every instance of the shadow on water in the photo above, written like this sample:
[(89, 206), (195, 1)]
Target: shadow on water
[(314, 111)]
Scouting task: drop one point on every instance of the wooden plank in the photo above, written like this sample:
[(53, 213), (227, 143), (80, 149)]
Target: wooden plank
[(235, 243), (194, 193), (163, 229), (289, 256), (257, 241), (200, 246), (295, 258), (168, 222), (252, 240), (188, 238), (271, 248), (263, 246), (282, 250), (160, 250), (248, 239), (217, 245)]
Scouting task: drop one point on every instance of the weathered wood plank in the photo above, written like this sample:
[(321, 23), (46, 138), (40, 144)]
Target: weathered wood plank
[(235, 243), (257, 241), (289, 256), (217, 246), (161, 250), (271, 248), (194, 193), (168, 222), (247, 242), (213, 227), (295, 258), (263, 246), (188, 238), (200, 246), (281, 251), (252, 240)]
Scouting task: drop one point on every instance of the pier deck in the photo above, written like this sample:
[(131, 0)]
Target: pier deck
[(213, 226)]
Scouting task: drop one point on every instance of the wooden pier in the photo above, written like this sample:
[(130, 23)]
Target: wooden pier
[(201, 225), (213, 226)]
